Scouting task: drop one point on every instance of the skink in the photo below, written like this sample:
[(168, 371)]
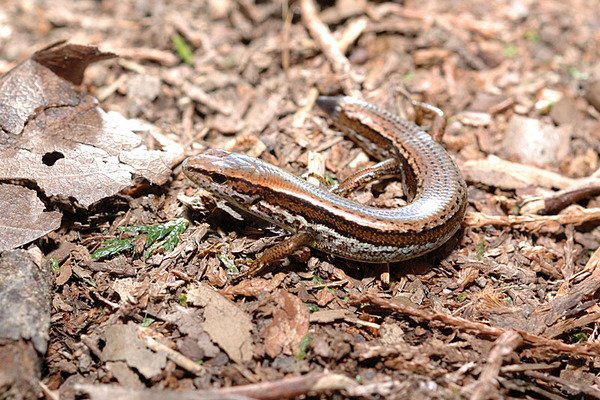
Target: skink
[(327, 221)]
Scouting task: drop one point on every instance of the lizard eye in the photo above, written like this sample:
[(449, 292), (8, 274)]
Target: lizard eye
[(218, 178)]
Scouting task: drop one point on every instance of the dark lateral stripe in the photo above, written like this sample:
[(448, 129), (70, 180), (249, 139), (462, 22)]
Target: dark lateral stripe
[(318, 215)]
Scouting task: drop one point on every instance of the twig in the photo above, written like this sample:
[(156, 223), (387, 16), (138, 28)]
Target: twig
[(322, 36), (50, 394), (476, 327), (293, 387), (285, 36), (283, 388), (553, 203), (174, 356), (529, 367), (581, 388), (533, 223), (351, 33), (573, 298), (196, 93), (487, 383), (463, 21)]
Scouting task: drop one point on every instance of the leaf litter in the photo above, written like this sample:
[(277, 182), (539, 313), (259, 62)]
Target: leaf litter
[(441, 329), (59, 140)]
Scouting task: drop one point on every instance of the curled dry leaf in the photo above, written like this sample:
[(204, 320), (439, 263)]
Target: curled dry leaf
[(197, 344), (504, 174), (253, 287), (60, 139), (15, 202)]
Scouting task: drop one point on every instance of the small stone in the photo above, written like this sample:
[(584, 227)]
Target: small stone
[(530, 141)]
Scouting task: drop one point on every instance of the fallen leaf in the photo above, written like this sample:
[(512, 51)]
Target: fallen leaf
[(60, 139), (197, 344), (225, 323), (504, 174), (324, 297), (289, 325), (253, 287), (69, 61), (123, 344), (23, 218), (327, 316), (82, 152)]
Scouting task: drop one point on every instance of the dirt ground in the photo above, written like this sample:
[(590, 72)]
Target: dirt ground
[(506, 309)]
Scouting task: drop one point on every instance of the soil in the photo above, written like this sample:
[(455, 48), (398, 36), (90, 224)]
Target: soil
[(506, 309)]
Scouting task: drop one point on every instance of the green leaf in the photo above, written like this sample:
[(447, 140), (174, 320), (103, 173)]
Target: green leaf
[(331, 181), (165, 236), (113, 247), (184, 51), (480, 249), (182, 300), (304, 343), (147, 321), (312, 307), (576, 73), (532, 36), (579, 337), (227, 263), (54, 265), (408, 77)]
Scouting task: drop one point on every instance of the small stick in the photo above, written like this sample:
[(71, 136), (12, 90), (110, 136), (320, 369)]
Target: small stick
[(487, 385), (590, 349), (330, 47), (171, 354), (285, 388), (557, 201), (532, 222)]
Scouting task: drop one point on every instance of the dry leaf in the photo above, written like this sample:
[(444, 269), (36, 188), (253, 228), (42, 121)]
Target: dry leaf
[(530, 141), (504, 174), (59, 139), (83, 152), (253, 287), (23, 218), (123, 344), (225, 323), (289, 325), (196, 345)]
